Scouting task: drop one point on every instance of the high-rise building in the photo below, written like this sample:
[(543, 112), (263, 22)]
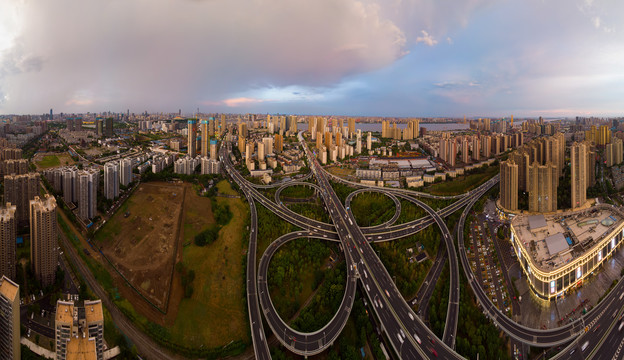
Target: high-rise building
[(542, 187), (590, 176), (69, 184), (109, 127), (242, 129), (19, 190), (476, 149), (8, 256), (369, 141), (205, 136), (79, 330), (43, 239), (99, 127), (125, 171), (268, 145), (213, 149), (250, 148), (293, 124), (522, 159), (351, 124), (604, 135), (9, 320), (578, 157), (87, 193), (465, 152), (614, 152), (192, 134), (211, 126), (222, 127), (358, 141), (509, 185), (111, 180)]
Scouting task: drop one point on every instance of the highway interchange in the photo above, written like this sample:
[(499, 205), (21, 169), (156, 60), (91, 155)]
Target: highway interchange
[(407, 334), (409, 337)]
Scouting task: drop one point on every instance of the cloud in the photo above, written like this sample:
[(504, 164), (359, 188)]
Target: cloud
[(426, 39), (242, 101), (154, 55)]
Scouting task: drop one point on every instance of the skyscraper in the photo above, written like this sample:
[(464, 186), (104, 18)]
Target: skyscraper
[(109, 127), (19, 190), (369, 141), (509, 185), (79, 330), (125, 171), (192, 134), (578, 156), (43, 238), (205, 136), (8, 256), (9, 320), (111, 180)]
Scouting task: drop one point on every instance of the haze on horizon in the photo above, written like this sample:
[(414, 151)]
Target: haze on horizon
[(356, 57)]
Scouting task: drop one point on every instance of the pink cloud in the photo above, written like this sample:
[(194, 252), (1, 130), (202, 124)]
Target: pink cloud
[(234, 102)]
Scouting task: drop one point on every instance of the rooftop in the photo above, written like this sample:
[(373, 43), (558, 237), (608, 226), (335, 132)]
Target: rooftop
[(93, 311), (65, 312), (81, 348), (554, 240), (8, 288)]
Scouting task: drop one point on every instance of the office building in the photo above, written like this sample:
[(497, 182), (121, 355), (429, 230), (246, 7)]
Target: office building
[(19, 190), (192, 135), (509, 185), (111, 180), (87, 193), (43, 239), (10, 348), (8, 255), (99, 127), (79, 330), (109, 127), (578, 157)]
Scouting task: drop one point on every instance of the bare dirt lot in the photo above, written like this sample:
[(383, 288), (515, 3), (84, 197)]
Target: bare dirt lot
[(141, 238)]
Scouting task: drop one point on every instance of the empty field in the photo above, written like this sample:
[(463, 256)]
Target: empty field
[(216, 312), (141, 238)]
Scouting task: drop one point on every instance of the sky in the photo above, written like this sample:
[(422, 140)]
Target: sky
[(412, 58)]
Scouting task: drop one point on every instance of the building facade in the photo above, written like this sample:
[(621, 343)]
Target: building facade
[(111, 180), (19, 190), (509, 185), (8, 255), (43, 238), (9, 320)]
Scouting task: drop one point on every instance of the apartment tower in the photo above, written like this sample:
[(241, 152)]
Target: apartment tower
[(43, 238)]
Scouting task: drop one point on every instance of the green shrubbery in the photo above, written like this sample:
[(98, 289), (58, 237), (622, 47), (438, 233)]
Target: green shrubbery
[(208, 236)]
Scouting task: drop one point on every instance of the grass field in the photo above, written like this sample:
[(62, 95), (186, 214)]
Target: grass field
[(45, 161), (462, 184), (216, 312), (341, 172), (370, 209)]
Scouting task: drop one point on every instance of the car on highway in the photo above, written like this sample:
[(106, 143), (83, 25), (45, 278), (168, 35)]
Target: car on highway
[(433, 352), (387, 293), (585, 346), (417, 339)]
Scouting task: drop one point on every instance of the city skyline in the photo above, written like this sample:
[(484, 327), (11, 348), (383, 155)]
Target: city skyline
[(403, 58)]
